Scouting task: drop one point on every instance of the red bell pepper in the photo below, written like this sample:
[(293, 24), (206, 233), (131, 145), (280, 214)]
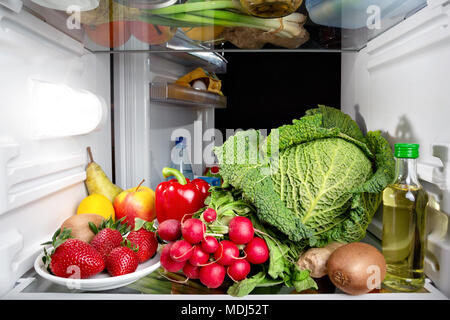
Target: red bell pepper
[(179, 198)]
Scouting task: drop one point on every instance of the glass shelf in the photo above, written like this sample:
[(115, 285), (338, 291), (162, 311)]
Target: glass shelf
[(180, 95), (114, 27), (161, 285)]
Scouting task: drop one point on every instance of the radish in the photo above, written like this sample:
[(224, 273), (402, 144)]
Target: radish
[(181, 250), (257, 251), (240, 230), (212, 275), (193, 230), (170, 230), (198, 257), (210, 244), (227, 253), (167, 262), (210, 215), (190, 271), (238, 270)]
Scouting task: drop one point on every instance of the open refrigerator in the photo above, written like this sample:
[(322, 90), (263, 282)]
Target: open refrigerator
[(118, 101)]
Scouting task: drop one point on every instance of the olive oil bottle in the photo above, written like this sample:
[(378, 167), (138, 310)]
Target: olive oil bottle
[(404, 216)]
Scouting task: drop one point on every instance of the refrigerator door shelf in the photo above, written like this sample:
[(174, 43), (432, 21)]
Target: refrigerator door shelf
[(25, 183), (28, 28), (9, 149), (436, 181), (170, 93), (439, 176)]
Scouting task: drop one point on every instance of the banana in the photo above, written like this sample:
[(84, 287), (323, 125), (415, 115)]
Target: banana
[(97, 181)]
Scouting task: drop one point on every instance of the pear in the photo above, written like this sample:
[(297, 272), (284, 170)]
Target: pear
[(97, 181)]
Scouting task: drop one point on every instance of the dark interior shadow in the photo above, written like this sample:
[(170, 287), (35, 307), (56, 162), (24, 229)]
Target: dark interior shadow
[(404, 132), (360, 120), (155, 172)]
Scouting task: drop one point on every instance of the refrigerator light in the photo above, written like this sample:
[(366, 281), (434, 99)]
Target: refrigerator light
[(61, 111)]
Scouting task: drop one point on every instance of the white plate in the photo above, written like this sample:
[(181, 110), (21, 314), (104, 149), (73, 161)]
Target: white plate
[(101, 281)]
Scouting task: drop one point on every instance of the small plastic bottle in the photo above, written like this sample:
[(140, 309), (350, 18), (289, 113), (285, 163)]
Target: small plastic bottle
[(404, 217), (180, 158)]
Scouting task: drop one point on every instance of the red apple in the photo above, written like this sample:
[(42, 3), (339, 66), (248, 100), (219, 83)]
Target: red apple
[(110, 34), (134, 203)]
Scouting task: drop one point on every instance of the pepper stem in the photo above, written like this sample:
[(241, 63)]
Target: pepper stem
[(167, 172)]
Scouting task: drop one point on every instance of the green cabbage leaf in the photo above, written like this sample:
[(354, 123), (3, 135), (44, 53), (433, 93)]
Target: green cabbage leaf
[(316, 180)]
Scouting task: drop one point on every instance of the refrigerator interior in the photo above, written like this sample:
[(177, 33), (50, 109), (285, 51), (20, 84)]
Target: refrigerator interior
[(393, 85), (390, 80)]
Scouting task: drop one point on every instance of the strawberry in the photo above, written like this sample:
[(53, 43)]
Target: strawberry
[(108, 236), (72, 257), (122, 260), (146, 243), (105, 241)]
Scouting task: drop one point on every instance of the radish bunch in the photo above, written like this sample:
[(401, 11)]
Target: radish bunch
[(202, 256)]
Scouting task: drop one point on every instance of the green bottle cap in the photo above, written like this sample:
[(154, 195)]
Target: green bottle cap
[(407, 150)]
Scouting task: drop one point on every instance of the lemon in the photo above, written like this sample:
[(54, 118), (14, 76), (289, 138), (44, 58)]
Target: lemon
[(97, 204)]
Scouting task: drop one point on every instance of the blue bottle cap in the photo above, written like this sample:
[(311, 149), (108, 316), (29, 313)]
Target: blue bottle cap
[(179, 140)]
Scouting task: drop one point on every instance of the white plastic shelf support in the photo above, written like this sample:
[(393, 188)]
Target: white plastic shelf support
[(23, 183), (14, 5), (439, 176), (29, 26), (9, 149), (437, 183)]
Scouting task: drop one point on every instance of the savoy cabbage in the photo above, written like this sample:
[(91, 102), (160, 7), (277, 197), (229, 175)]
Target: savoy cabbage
[(316, 180)]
